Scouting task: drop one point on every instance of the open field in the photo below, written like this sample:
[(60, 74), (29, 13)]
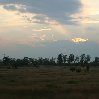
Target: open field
[(48, 83)]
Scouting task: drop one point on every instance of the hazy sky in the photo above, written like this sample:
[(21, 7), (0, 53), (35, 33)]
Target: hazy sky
[(40, 27)]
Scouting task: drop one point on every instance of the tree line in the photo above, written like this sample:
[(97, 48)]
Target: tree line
[(61, 60)]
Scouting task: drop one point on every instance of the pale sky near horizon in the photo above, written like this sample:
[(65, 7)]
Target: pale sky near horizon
[(34, 23)]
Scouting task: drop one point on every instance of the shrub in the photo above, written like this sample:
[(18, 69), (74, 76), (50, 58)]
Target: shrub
[(72, 69), (78, 70)]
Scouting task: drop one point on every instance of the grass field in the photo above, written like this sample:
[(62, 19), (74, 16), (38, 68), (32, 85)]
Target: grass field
[(48, 83)]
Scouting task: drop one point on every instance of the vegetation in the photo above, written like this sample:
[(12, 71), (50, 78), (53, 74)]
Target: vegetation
[(64, 77), (61, 60), (48, 83)]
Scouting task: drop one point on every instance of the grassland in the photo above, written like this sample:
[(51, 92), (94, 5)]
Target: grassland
[(48, 83)]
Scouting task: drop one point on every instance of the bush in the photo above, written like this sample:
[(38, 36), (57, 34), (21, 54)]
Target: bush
[(78, 70), (72, 69)]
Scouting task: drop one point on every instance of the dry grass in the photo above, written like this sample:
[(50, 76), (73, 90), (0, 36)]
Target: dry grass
[(48, 83)]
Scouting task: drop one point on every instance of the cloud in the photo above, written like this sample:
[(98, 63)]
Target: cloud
[(38, 38), (89, 13), (10, 18), (78, 40), (57, 10), (42, 29), (57, 26), (42, 13), (43, 37), (14, 7)]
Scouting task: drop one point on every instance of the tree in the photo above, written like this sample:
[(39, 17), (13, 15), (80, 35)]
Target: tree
[(52, 61), (40, 61), (76, 60), (35, 63), (71, 58), (82, 59), (60, 59), (64, 58), (6, 60), (13, 63), (87, 59), (25, 61), (96, 61)]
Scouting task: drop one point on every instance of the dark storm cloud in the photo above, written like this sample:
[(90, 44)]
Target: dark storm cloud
[(60, 10)]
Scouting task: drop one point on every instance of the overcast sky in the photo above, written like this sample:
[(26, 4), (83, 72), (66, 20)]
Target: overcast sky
[(40, 27)]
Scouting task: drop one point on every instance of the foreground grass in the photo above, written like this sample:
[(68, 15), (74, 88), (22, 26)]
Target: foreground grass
[(48, 83)]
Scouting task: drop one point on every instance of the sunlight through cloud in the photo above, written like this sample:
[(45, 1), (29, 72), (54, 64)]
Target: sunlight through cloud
[(43, 29), (78, 40)]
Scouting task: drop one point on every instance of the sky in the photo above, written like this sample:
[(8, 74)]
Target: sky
[(45, 28)]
